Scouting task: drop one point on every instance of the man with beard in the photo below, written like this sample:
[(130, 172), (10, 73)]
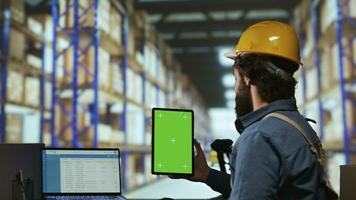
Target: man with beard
[(273, 158)]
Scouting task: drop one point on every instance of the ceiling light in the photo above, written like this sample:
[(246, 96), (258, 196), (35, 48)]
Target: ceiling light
[(230, 94), (230, 104), (225, 62), (228, 80)]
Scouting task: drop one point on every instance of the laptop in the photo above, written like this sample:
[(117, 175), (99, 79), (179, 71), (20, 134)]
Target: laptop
[(81, 174), (24, 157)]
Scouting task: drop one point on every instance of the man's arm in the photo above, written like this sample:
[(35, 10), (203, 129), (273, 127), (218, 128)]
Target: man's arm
[(257, 169), (220, 182)]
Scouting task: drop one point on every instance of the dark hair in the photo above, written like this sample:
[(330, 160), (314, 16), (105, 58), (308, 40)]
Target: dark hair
[(270, 86)]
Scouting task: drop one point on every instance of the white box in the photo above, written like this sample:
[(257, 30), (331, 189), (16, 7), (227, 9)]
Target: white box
[(135, 125), (309, 40), (138, 88), (14, 128), (104, 133), (311, 82), (15, 86), (34, 61), (32, 91), (103, 69), (117, 137), (333, 129), (116, 78), (115, 25), (35, 26), (328, 14)]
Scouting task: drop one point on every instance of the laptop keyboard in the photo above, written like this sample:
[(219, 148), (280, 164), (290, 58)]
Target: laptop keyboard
[(85, 197)]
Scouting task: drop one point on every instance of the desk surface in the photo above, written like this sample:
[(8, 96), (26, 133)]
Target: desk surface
[(176, 189)]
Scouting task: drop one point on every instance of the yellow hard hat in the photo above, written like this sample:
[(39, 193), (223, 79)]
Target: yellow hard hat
[(270, 38)]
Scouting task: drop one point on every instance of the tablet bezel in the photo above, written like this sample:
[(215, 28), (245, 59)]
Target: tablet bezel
[(152, 142)]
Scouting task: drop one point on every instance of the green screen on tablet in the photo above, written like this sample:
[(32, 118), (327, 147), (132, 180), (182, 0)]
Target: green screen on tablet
[(172, 141)]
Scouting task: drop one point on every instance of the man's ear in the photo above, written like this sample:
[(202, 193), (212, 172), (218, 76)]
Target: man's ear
[(247, 80)]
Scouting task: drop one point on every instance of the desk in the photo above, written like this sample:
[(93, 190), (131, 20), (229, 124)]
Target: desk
[(173, 188)]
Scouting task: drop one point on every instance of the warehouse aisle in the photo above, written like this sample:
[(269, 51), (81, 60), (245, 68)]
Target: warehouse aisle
[(176, 189)]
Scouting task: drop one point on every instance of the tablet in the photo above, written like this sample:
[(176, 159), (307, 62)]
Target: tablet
[(172, 141)]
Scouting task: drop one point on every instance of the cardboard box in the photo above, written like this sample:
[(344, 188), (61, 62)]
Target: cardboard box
[(14, 124), (35, 26), (115, 25), (311, 82), (135, 125), (116, 78), (17, 45), (351, 111), (333, 130), (151, 92), (328, 14), (104, 69), (326, 67), (34, 61), (309, 40), (104, 132), (15, 87), (134, 86), (131, 40), (117, 137), (48, 95), (347, 180), (32, 91)]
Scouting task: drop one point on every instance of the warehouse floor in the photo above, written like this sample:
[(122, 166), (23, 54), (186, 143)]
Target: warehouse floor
[(176, 189)]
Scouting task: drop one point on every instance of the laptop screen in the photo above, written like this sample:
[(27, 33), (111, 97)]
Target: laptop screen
[(81, 171)]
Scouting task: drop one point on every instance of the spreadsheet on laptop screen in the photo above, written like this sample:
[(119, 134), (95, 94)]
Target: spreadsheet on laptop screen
[(81, 171)]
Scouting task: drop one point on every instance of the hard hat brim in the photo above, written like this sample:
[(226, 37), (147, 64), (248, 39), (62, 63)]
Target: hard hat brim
[(231, 54)]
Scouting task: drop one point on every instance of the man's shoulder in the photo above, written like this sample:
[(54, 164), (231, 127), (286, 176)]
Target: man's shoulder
[(274, 132)]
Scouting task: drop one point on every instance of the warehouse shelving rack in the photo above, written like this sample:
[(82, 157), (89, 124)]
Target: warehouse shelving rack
[(348, 145), (4, 57), (60, 90), (77, 90), (125, 62), (316, 35), (343, 23), (7, 24)]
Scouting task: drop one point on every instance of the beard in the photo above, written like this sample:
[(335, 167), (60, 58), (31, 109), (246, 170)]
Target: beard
[(243, 100)]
